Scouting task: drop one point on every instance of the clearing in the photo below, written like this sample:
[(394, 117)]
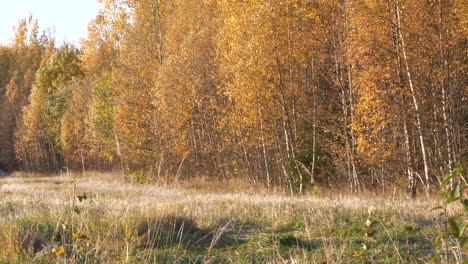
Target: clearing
[(98, 219)]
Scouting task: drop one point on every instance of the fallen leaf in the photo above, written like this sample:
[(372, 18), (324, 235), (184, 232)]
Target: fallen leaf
[(79, 236), (59, 251)]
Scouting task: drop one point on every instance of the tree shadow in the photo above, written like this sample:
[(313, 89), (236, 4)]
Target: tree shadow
[(289, 241), (171, 231)]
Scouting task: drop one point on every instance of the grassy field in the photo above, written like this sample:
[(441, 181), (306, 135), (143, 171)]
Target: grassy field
[(99, 219)]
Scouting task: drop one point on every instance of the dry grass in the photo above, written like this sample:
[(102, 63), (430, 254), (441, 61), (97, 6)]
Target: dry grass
[(129, 223)]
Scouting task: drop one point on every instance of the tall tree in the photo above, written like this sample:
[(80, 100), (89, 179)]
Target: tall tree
[(27, 50), (40, 129)]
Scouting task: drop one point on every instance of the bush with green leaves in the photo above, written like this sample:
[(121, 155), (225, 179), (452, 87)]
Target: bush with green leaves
[(452, 241)]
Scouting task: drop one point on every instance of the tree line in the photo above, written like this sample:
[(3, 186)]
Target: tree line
[(365, 93)]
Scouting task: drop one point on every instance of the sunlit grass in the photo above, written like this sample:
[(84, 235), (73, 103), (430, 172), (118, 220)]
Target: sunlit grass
[(126, 223)]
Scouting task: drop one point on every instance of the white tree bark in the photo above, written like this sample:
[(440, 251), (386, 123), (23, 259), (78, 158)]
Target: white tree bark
[(413, 95)]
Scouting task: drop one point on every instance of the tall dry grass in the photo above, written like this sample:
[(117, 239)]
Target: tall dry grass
[(121, 222)]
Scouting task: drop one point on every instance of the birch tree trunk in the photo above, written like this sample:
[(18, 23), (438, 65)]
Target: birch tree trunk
[(413, 95)]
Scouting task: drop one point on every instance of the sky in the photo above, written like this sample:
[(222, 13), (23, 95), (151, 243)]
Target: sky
[(67, 18)]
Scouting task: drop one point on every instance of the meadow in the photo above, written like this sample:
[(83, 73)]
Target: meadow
[(101, 218)]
